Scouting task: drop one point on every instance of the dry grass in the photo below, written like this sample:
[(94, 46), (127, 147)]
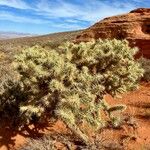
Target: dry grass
[(45, 143), (49, 142), (102, 143), (10, 47), (58, 141), (20, 43)]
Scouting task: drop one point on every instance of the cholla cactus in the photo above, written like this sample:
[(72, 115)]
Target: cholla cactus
[(10, 91), (71, 82), (113, 59), (38, 68)]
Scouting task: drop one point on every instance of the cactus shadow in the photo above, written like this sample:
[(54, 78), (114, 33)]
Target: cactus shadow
[(144, 110), (144, 105), (8, 133)]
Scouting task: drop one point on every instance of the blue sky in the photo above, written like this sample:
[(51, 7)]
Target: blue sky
[(49, 16)]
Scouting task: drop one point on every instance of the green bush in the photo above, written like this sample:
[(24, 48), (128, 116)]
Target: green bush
[(146, 66), (70, 83)]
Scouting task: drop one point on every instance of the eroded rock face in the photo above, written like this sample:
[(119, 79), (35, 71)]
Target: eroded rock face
[(134, 26)]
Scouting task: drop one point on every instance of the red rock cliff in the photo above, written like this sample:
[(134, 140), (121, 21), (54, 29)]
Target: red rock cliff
[(134, 26)]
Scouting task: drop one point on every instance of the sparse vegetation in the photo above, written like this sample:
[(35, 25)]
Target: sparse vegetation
[(52, 142), (146, 66), (70, 84), (45, 143)]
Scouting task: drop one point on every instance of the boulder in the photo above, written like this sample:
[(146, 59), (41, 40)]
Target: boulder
[(133, 26)]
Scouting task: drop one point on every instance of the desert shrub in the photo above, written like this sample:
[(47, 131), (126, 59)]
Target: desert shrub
[(51, 44), (52, 142), (45, 143), (102, 143), (9, 91), (2, 56), (146, 66), (71, 83)]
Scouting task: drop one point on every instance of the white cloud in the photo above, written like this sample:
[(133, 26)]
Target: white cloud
[(66, 26), (65, 14), (14, 18), (91, 10), (58, 8), (19, 4)]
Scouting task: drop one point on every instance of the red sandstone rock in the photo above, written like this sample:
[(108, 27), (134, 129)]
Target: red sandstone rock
[(134, 26)]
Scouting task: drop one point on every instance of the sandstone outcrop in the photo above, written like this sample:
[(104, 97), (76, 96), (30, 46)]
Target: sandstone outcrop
[(133, 26)]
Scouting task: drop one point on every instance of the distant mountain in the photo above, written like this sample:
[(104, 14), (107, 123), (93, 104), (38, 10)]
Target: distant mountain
[(52, 40), (10, 35)]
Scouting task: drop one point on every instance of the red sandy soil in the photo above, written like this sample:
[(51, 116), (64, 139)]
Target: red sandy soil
[(136, 137), (133, 136)]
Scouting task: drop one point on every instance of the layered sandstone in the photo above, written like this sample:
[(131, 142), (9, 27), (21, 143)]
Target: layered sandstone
[(133, 26)]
